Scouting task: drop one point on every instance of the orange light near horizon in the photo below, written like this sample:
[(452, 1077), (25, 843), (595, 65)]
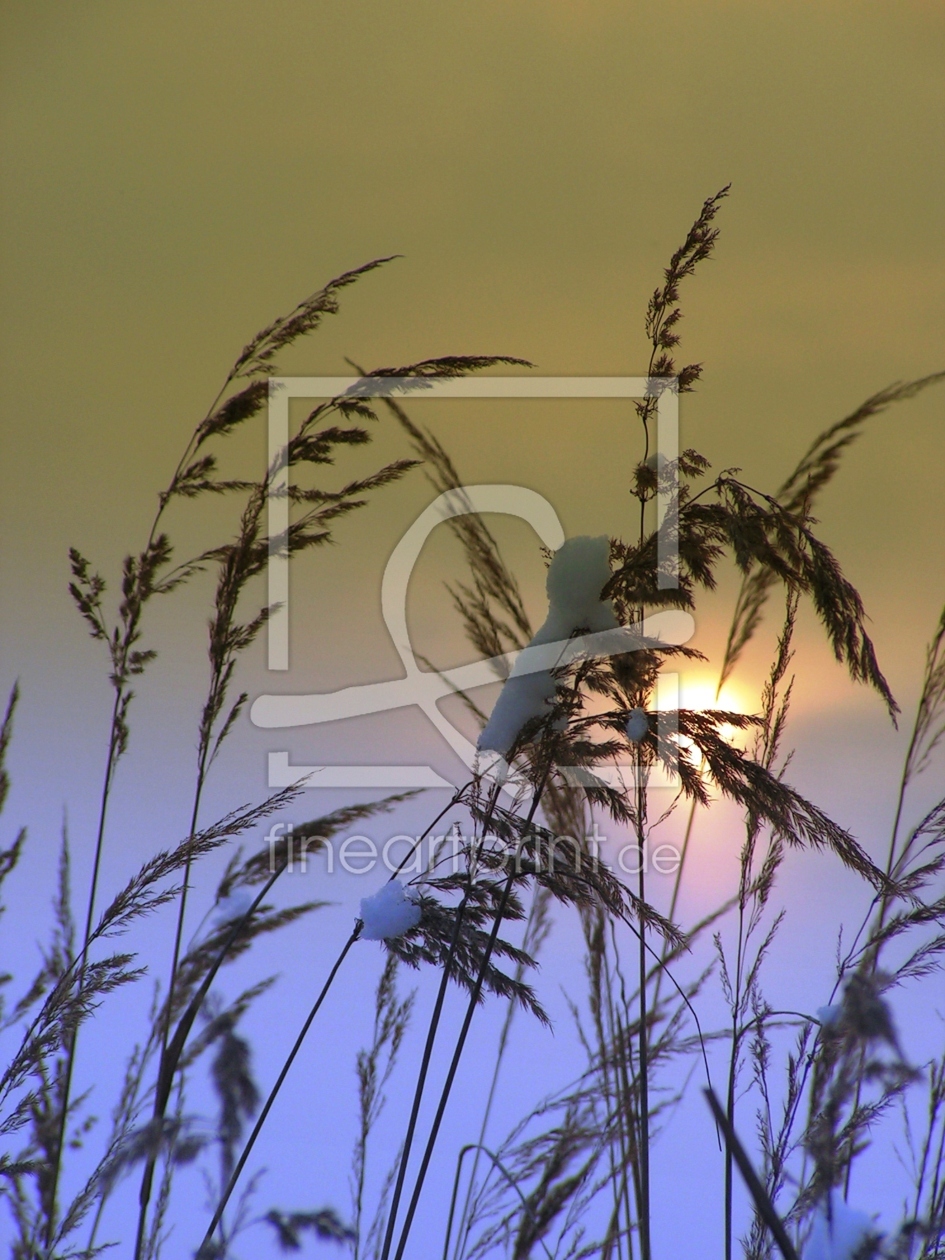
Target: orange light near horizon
[(698, 692)]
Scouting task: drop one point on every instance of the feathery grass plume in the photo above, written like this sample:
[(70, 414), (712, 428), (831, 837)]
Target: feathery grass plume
[(39, 1110), (197, 969), (763, 1205), (913, 870), (11, 856), (435, 939), (146, 574), (232, 937), (930, 715), (290, 1226), (314, 444), (662, 313), (838, 1120), (928, 1205), (927, 731), (233, 1083), (492, 610), (814, 471), (43, 1050), (560, 866), (257, 356), (493, 613), (757, 530), (69, 1002), (798, 493)]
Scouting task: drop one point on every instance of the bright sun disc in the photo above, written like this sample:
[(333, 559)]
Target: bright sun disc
[(700, 693)]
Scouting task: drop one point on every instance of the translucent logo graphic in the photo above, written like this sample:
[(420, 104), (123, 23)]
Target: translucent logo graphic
[(424, 688)]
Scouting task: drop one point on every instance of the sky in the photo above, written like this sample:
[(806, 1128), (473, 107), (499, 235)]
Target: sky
[(176, 175)]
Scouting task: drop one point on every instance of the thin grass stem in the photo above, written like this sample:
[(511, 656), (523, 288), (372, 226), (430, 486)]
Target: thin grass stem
[(757, 1191), (273, 1094), (461, 1041), (428, 1052)]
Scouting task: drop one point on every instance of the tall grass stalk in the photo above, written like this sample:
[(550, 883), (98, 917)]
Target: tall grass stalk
[(206, 1245)]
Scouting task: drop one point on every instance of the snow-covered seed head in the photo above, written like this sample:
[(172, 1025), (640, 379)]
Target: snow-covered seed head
[(638, 725), (840, 1232), (390, 912), (578, 572), (829, 1016), (235, 906), (657, 462)]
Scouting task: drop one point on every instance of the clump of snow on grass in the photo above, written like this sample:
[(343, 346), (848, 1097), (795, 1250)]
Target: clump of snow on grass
[(638, 724), (840, 1237), (577, 574), (390, 912), (235, 906), (829, 1016)]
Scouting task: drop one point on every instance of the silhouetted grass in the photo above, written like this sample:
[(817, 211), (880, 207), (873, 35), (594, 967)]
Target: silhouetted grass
[(572, 1177)]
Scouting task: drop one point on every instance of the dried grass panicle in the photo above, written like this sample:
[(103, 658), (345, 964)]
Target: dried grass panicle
[(435, 939), (662, 313), (234, 411), (446, 367), (767, 798), (492, 610), (760, 534), (226, 944), (929, 726), (257, 356), (291, 1226), (861, 1044), (813, 473), (141, 894), (563, 867), (308, 838), (9, 859), (69, 1002), (236, 1088)]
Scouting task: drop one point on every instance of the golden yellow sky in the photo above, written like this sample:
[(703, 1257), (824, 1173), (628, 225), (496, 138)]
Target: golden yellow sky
[(175, 174)]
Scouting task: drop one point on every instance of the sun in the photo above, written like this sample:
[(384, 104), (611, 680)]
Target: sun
[(698, 691)]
